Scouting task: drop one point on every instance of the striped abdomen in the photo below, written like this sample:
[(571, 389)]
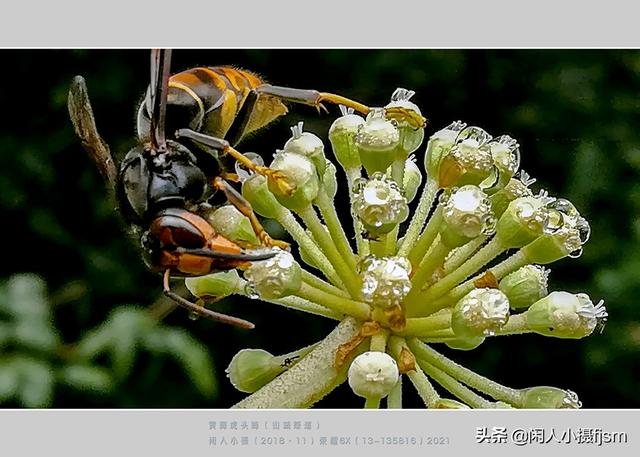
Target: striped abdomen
[(208, 100)]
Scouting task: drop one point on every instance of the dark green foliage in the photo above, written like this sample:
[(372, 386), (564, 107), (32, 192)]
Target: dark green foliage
[(575, 114)]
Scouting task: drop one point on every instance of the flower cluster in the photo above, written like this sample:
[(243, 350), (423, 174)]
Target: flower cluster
[(400, 290)]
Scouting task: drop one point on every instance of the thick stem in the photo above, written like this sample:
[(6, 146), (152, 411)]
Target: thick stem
[(347, 273), (422, 211), (291, 225), (310, 379), (343, 305), (471, 378)]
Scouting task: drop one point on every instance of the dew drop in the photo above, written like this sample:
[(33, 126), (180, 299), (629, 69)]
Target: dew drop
[(242, 172)]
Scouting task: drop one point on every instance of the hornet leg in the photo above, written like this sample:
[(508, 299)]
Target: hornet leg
[(281, 180), (237, 200), (201, 310), (315, 98)]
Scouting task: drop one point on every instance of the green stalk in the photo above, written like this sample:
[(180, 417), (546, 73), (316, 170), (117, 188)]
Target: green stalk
[(391, 238), (471, 378), (332, 221), (426, 239), (346, 272), (291, 225), (423, 274), (394, 399), (477, 261), (460, 255), (362, 244), (465, 394), (379, 341), (301, 304), (516, 325), (318, 283), (343, 305), (419, 326), (517, 260), (422, 211), (417, 377), (372, 403)]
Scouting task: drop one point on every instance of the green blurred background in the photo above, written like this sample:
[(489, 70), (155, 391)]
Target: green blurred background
[(73, 290)]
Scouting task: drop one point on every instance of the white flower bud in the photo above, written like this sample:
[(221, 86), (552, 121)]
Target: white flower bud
[(466, 214), (378, 142), (410, 137), (545, 397), (276, 277), (565, 315), (385, 281), (373, 374), (525, 286), (308, 145), (482, 312), (379, 204), (303, 174)]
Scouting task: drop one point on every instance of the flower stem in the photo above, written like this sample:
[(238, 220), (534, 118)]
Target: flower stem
[(332, 221), (500, 270), (426, 239), (372, 403), (391, 238), (418, 326), (465, 394), (516, 325), (343, 305), (379, 341), (460, 255), (363, 245), (394, 399), (346, 271), (422, 211), (318, 283), (423, 274), (291, 225), (310, 379), (471, 378), (417, 377), (477, 261), (301, 304)]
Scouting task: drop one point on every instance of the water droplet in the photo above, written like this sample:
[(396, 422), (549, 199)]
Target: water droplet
[(193, 316), (242, 172), (250, 290), (478, 134), (554, 222), (492, 180), (584, 229), (575, 254)]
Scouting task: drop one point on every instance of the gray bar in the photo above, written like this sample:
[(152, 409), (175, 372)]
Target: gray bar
[(321, 432)]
